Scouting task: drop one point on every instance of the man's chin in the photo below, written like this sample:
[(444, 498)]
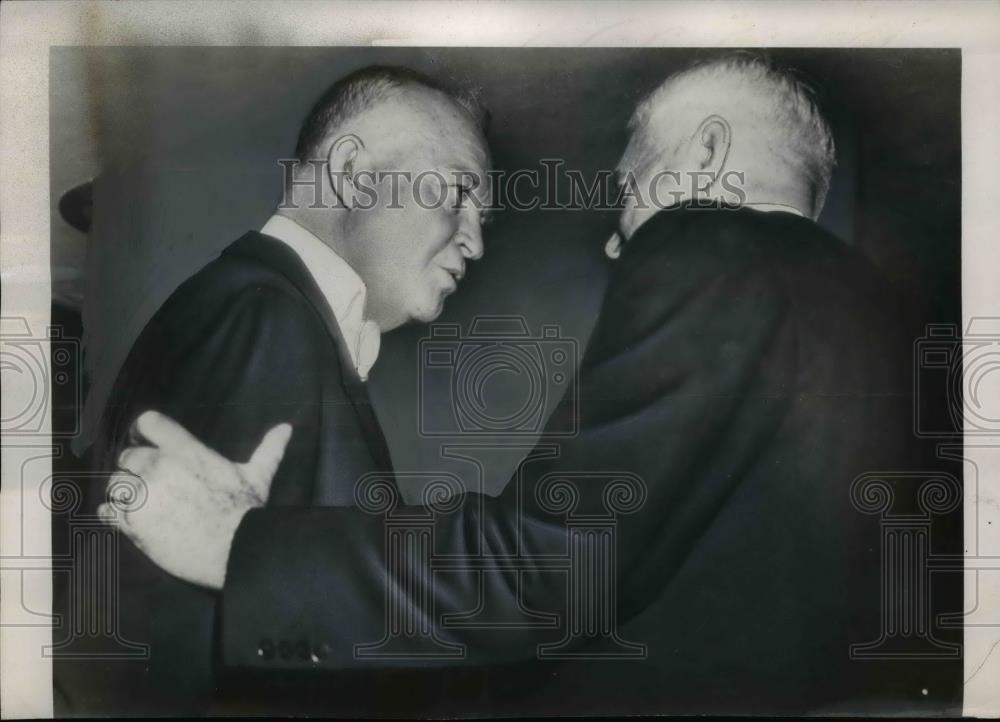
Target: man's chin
[(429, 312)]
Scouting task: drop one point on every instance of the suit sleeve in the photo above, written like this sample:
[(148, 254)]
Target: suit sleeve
[(689, 357), (228, 371)]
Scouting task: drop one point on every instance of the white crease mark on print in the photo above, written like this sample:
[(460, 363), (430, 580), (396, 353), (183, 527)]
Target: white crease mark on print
[(982, 664)]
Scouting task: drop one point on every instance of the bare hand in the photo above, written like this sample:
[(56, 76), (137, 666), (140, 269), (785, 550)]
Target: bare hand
[(195, 498)]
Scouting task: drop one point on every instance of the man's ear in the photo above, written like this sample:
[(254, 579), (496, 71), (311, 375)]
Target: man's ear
[(342, 165), (710, 144)]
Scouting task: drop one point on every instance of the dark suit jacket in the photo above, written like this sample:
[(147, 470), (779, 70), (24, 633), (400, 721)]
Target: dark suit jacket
[(747, 367), (246, 343)]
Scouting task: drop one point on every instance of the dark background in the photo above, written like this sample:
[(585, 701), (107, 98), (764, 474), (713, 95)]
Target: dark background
[(183, 142)]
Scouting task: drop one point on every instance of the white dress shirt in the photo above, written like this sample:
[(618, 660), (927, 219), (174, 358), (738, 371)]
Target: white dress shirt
[(340, 285)]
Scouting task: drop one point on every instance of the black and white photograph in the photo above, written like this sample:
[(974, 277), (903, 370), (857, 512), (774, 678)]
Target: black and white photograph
[(414, 379)]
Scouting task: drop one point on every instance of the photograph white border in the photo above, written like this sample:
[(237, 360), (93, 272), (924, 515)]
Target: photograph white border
[(29, 29)]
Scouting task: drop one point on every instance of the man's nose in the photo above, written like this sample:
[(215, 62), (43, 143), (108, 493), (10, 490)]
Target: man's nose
[(470, 240)]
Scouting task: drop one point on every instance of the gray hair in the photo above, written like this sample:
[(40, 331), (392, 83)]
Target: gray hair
[(362, 90), (782, 106)]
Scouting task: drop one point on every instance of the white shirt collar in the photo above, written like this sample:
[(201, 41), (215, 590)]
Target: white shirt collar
[(341, 286), (770, 207)]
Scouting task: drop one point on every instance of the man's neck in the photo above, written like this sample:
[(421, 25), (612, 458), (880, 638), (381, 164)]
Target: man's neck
[(322, 225)]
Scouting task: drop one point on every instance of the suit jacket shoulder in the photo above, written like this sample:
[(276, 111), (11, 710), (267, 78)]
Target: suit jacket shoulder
[(246, 343)]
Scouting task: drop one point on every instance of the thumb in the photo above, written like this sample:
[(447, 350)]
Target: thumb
[(107, 515), (263, 464)]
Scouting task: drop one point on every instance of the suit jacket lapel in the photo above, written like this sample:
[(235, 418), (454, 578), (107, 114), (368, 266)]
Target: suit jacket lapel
[(283, 259)]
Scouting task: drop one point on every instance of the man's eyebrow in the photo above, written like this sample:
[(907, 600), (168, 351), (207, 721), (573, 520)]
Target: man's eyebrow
[(461, 175), (477, 183)]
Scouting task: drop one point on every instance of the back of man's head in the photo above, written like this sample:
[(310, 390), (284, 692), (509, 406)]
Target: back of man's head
[(364, 90), (771, 110)]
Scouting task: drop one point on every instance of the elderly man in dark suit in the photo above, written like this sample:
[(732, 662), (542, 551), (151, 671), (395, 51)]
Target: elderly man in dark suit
[(746, 365), (279, 333)]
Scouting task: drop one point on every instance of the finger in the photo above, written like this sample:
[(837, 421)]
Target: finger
[(137, 460), (112, 516), (126, 492), (162, 431), (130, 532), (107, 514), (259, 471), (134, 437)]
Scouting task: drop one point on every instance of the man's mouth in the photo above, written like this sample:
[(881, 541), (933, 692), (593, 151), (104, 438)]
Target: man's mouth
[(457, 273)]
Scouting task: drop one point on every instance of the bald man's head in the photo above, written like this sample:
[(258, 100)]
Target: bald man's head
[(765, 116), (372, 88)]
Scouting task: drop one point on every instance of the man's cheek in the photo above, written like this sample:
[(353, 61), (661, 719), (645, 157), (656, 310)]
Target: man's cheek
[(437, 226)]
